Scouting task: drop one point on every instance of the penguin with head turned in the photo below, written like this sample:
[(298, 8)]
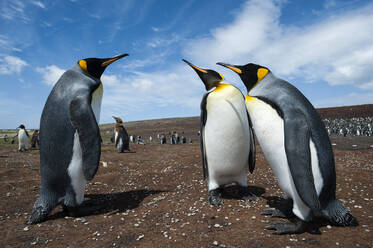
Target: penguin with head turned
[(121, 139), (70, 141), (227, 143), (297, 146)]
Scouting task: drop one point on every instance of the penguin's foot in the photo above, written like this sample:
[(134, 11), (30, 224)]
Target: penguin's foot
[(215, 197), (298, 226), (274, 212), (38, 215), (245, 195)]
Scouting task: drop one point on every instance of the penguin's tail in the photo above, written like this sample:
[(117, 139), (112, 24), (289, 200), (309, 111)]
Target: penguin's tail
[(339, 215), (39, 212)]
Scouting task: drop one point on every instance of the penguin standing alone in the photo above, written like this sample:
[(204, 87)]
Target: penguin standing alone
[(296, 144), (22, 138), (121, 139), (227, 142), (70, 141)]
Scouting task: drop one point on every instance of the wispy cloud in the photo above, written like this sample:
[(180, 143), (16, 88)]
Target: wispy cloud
[(50, 74), (39, 4), (11, 64), (7, 45), (337, 50), (13, 9)]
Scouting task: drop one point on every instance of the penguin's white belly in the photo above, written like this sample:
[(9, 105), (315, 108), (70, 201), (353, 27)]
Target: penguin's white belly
[(75, 171), (22, 139), (96, 102), (269, 130), (227, 142)]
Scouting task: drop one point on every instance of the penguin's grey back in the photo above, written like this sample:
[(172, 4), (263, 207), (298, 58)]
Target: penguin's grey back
[(56, 130), (285, 98)]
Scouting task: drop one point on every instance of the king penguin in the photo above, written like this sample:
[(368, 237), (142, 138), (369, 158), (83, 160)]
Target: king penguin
[(227, 142), (296, 144), (70, 141), (22, 138), (121, 139)]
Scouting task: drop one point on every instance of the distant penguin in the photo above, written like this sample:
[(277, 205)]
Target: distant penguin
[(227, 142), (121, 139), (35, 139), (70, 141), (296, 144), (22, 138), (163, 139), (5, 138)]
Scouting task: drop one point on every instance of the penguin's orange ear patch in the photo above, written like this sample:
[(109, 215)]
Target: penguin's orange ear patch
[(261, 73), (83, 65)]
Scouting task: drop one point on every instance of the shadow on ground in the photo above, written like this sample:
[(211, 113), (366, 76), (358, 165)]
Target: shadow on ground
[(109, 203)]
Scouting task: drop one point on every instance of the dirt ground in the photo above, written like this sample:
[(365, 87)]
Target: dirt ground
[(154, 196)]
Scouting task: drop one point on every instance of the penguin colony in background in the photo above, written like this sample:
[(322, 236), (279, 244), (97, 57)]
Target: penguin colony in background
[(121, 139), (227, 142), (289, 131), (297, 147), (70, 141)]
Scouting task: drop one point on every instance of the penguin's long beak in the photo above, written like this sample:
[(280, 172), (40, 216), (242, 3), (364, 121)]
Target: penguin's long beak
[(232, 67), (197, 69), (113, 59)]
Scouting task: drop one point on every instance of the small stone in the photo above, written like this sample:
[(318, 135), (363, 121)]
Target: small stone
[(140, 237), (26, 229), (8, 194), (329, 226), (215, 243), (254, 217)]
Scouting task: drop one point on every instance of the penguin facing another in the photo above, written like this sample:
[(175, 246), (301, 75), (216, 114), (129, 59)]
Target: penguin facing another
[(70, 141), (227, 142), (22, 138), (121, 139), (297, 146)]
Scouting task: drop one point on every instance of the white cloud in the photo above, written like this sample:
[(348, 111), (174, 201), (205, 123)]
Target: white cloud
[(50, 74), (337, 50), (11, 64), (329, 3), (39, 4), (176, 88), (110, 80)]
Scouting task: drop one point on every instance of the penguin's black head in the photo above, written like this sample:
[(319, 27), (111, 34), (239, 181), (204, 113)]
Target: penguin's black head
[(250, 74), (118, 119), (210, 78), (21, 126), (95, 66)]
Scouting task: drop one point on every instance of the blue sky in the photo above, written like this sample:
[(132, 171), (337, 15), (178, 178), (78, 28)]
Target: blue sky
[(325, 48)]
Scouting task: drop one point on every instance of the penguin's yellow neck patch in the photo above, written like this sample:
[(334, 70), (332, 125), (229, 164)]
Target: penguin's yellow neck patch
[(261, 73), (249, 98), (221, 87), (83, 65)]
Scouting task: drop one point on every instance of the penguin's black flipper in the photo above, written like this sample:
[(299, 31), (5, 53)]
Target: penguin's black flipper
[(297, 146), (252, 153), (84, 121), (203, 119)]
